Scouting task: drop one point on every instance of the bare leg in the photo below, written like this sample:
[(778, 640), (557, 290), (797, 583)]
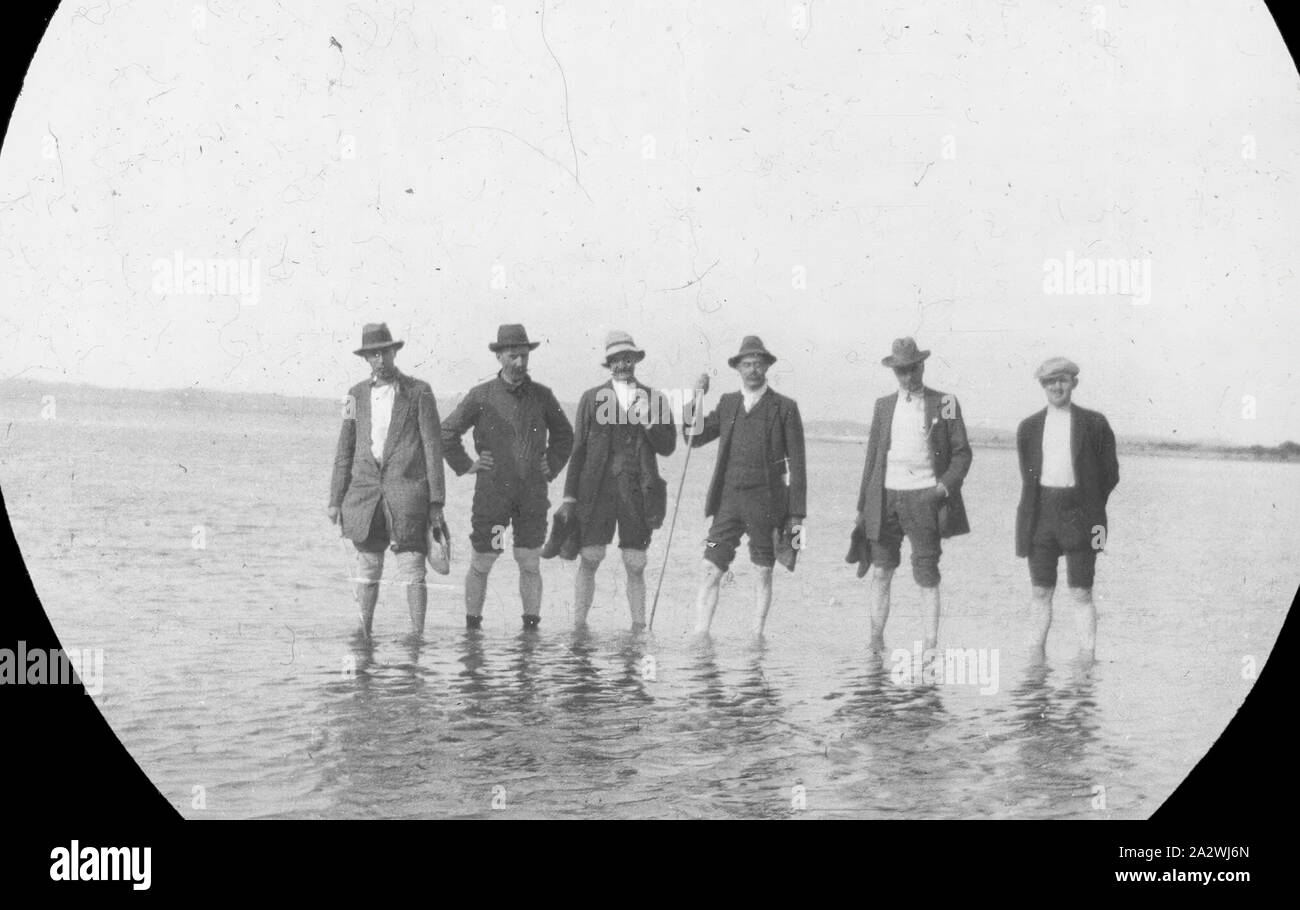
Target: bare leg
[(367, 594), (417, 601), (417, 595), (762, 597), (1040, 621), (370, 567), (584, 586), (634, 561), (880, 582), (530, 579), (930, 610), (706, 601), (1085, 621), (480, 564)]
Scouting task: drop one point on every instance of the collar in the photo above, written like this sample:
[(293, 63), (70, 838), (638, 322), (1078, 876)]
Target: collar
[(394, 382)]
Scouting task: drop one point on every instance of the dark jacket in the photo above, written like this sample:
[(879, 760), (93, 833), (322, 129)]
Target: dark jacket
[(411, 478), (950, 455), (518, 426), (1096, 469), (785, 452), (598, 412)]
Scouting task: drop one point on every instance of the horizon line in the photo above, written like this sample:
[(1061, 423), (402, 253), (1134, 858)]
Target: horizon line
[(18, 379)]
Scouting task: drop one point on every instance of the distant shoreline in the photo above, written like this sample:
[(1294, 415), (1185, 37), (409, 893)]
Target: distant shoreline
[(1286, 452), (838, 432)]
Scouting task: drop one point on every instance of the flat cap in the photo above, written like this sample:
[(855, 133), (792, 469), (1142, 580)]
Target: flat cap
[(1056, 366)]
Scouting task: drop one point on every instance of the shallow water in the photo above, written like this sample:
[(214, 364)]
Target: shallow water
[(193, 549)]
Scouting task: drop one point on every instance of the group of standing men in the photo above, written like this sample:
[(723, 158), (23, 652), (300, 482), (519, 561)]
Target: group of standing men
[(388, 489)]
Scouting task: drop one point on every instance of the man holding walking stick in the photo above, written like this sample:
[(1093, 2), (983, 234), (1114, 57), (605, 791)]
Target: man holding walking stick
[(759, 485)]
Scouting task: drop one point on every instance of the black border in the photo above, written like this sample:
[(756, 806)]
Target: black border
[(66, 776)]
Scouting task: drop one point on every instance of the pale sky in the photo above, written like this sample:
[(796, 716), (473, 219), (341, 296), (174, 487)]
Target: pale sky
[(827, 177)]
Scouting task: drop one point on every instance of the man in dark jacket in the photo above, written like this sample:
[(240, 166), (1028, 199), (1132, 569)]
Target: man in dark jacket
[(623, 426), (759, 485), (1068, 468), (523, 440), (387, 485), (917, 458)]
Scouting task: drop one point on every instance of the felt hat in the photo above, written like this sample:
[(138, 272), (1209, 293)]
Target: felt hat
[(904, 353), (751, 345), (375, 337), (512, 336)]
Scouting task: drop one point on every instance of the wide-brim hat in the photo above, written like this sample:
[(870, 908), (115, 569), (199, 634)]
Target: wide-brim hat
[(904, 353), (512, 336), (375, 337), (751, 345), (619, 342)]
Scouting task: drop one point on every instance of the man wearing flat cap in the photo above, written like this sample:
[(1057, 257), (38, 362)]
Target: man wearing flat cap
[(917, 458), (759, 485), (522, 439), (1068, 469), (613, 479), (387, 487)]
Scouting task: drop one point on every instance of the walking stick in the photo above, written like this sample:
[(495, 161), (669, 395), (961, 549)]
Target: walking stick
[(695, 412)]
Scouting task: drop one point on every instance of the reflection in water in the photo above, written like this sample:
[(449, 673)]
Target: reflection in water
[(747, 707), (580, 684), (504, 707), (412, 675), (471, 681), (741, 747), (521, 725), (758, 694), (1054, 731), (523, 699), (379, 716), (640, 667), (878, 703), (612, 726), (704, 680), (886, 745), (583, 689)]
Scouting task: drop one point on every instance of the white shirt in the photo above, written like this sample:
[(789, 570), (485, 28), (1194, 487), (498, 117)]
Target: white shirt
[(907, 464), (381, 415), (1058, 462), (625, 392), (749, 399)]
